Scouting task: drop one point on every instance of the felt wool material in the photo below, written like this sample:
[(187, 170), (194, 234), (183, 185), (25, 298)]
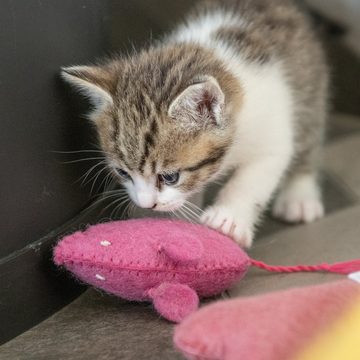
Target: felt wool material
[(134, 258), (174, 301), (267, 327)]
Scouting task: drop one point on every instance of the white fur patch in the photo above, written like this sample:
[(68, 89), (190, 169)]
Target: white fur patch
[(144, 191), (201, 29), (169, 199)]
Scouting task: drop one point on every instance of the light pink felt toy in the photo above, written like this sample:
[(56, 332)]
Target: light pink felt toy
[(171, 263), (276, 326)]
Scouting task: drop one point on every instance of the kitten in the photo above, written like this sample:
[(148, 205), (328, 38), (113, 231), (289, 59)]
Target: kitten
[(241, 86)]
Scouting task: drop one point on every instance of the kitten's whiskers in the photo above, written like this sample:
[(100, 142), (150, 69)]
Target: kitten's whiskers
[(194, 206), (84, 159)]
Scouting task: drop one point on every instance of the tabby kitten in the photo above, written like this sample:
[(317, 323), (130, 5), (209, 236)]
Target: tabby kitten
[(240, 87)]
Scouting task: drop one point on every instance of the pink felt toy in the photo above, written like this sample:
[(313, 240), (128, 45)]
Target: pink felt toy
[(275, 326), (168, 262)]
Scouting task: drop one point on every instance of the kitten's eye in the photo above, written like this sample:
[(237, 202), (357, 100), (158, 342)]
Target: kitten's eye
[(169, 179), (122, 173)]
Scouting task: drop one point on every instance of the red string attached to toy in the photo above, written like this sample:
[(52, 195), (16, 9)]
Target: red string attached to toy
[(345, 267)]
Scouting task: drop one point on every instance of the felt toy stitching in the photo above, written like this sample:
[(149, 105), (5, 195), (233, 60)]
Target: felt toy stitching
[(81, 261)]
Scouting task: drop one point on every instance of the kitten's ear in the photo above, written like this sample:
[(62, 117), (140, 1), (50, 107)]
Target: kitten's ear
[(95, 82), (199, 103)]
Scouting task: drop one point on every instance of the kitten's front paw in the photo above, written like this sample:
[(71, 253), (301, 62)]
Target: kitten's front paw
[(222, 219)]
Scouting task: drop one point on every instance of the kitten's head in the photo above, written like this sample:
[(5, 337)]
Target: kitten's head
[(164, 120)]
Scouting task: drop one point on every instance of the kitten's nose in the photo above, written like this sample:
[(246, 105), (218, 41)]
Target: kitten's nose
[(146, 200)]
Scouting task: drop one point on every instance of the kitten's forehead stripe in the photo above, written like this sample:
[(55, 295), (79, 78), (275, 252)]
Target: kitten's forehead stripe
[(153, 167), (116, 137), (149, 139), (154, 127), (142, 164), (149, 142)]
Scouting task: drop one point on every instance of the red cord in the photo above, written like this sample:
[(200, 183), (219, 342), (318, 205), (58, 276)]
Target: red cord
[(339, 268)]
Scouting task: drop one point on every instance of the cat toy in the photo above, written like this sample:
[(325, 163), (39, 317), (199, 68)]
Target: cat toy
[(170, 263), (315, 322)]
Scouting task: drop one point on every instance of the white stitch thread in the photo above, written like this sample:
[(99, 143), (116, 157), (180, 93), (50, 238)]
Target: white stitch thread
[(100, 277), (105, 243)]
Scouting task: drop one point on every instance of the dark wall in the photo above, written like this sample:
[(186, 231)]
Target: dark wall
[(135, 22), (38, 192)]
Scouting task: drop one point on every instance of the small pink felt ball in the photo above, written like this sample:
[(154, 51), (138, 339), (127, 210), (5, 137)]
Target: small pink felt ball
[(165, 261)]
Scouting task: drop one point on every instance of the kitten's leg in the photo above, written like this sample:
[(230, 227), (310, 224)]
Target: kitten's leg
[(299, 200), (299, 197), (242, 199)]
